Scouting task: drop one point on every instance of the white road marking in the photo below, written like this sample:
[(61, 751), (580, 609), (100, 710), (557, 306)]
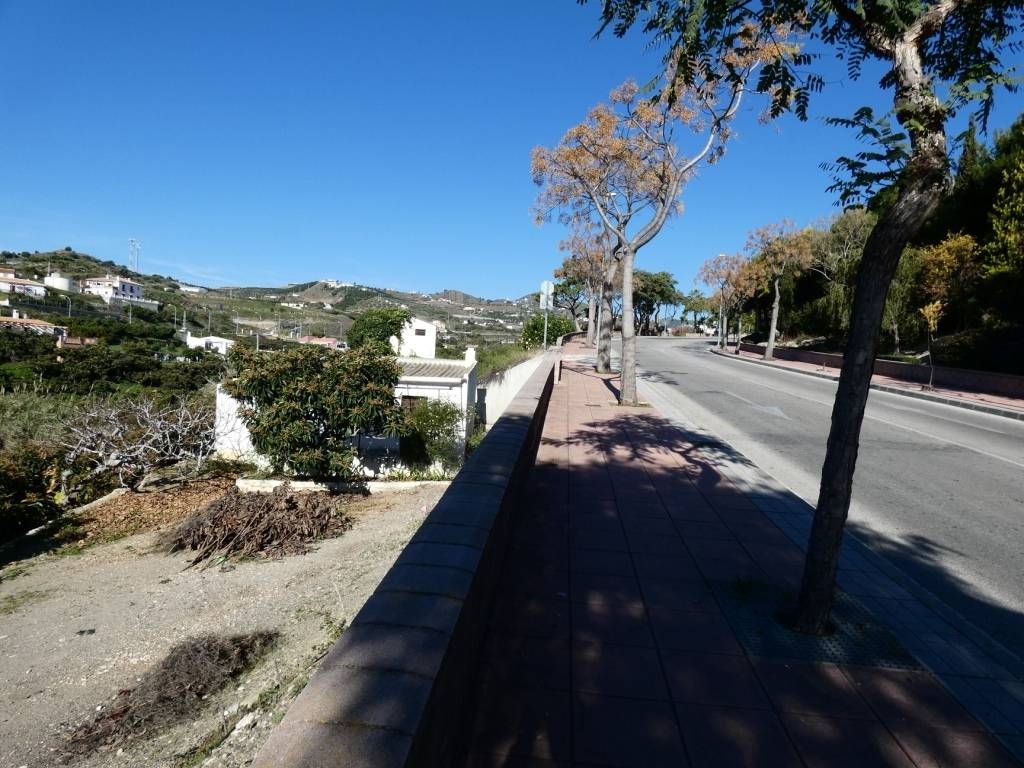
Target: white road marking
[(881, 420), (771, 410)]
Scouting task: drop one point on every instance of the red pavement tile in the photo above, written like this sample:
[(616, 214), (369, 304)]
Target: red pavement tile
[(727, 737), (482, 760), (906, 697), (632, 733), (618, 670), (702, 529), (600, 561), (831, 742), (645, 543), (531, 662), (942, 748), (679, 595), (713, 679), (649, 526), (693, 631), (622, 623), (723, 560), (529, 615), (812, 689), (523, 721), (610, 538), (671, 567), (605, 590)]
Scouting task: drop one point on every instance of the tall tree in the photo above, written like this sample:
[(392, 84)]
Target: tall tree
[(923, 46), (585, 265), (722, 273), (778, 250), (652, 292), (623, 165)]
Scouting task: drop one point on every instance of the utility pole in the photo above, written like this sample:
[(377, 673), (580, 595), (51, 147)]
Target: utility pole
[(133, 255)]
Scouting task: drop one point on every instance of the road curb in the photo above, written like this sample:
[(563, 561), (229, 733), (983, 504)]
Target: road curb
[(994, 410)]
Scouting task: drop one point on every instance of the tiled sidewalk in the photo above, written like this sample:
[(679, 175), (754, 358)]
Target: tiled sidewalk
[(608, 643)]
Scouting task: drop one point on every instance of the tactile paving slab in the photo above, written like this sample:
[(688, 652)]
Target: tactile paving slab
[(752, 608)]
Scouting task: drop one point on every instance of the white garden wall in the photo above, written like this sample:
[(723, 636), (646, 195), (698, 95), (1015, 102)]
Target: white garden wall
[(494, 395)]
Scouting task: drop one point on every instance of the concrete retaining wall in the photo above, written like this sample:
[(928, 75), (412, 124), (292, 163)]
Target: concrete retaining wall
[(392, 691), (494, 395), (953, 378)]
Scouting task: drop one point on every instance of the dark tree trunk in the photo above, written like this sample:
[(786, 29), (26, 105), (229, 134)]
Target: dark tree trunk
[(922, 185)]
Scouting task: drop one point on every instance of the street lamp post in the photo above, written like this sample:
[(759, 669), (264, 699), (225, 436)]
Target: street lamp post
[(68, 300)]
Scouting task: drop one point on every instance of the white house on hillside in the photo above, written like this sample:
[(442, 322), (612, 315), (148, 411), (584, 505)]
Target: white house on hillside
[(9, 283), (59, 282), (211, 343), (419, 339), (114, 289), (450, 381)]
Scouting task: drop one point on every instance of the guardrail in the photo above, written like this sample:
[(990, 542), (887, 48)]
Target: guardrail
[(392, 691)]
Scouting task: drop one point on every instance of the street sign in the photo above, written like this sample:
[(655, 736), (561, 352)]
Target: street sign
[(547, 295)]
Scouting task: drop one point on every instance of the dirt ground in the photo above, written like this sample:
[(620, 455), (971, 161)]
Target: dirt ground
[(76, 629)]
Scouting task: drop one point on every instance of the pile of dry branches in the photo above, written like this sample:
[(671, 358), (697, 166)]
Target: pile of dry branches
[(270, 525), (191, 671)]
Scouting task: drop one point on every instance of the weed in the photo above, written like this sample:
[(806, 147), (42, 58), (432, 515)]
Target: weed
[(192, 671), (11, 603)]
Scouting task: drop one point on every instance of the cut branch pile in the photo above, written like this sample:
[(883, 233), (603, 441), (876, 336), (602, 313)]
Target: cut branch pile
[(190, 672), (269, 525)]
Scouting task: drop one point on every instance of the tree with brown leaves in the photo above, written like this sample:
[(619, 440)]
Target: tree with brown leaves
[(624, 167), (778, 250)]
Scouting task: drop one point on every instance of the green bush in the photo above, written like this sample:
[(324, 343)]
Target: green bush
[(305, 404), (533, 331), (432, 435), (377, 325), (28, 479)]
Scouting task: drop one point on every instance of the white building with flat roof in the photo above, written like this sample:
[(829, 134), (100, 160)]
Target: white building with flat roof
[(9, 283), (419, 339), (210, 343)]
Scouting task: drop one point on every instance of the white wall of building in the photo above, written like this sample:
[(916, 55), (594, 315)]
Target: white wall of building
[(419, 339), (495, 394), (212, 343), (57, 281)]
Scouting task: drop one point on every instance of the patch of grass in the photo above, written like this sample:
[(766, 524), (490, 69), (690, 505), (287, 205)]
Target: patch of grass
[(12, 572), (172, 692), (212, 740), (492, 359), (11, 603)]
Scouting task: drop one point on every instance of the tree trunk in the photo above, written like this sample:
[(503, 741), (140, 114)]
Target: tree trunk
[(739, 333), (896, 337), (921, 186), (931, 363), (604, 343), (591, 316), (769, 349), (627, 394), (721, 324)]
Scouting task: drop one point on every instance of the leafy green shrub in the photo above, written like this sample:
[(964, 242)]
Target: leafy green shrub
[(303, 405), (492, 358), (377, 325), (432, 435), (28, 479), (533, 331)]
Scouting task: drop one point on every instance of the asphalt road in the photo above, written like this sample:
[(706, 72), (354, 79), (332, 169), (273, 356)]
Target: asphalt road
[(939, 490)]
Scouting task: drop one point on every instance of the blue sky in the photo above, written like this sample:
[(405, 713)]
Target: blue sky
[(268, 142)]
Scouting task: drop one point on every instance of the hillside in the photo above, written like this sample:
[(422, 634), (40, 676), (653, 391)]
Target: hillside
[(323, 307)]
